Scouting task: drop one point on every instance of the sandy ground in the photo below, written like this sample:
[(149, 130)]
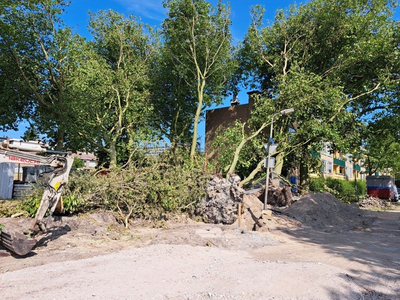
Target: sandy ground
[(316, 249)]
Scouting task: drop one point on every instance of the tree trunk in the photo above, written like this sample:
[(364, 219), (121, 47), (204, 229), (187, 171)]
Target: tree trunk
[(240, 147), (304, 178), (113, 154), (252, 174), (60, 139), (235, 158), (200, 91), (279, 163)]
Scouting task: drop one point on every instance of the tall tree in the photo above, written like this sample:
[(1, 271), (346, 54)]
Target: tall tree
[(325, 59), (33, 61), (381, 147), (174, 101), (112, 87), (198, 53)]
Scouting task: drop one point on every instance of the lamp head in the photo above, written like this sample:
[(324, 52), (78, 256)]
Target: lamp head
[(287, 111)]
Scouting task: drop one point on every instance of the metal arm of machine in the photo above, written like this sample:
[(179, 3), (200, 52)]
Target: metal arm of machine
[(56, 181), (17, 151)]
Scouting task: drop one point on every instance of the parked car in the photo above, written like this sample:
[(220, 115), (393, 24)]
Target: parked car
[(396, 194)]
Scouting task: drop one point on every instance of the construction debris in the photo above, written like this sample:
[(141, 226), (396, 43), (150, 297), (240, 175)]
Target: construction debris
[(321, 211), (253, 216), (373, 202)]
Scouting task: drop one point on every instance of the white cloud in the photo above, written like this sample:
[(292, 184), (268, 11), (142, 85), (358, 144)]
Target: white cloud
[(151, 9)]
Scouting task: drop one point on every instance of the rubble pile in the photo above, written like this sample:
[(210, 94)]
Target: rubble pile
[(373, 202), (220, 206)]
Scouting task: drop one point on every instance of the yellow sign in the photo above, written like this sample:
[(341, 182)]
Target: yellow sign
[(57, 185)]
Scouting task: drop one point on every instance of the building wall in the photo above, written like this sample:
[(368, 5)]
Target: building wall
[(217, 119), (338, 165), (89, 159)]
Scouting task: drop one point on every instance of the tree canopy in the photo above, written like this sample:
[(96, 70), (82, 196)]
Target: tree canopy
[(335, 62), (111, 86), (198, 55), (35, 49), (330, 61)]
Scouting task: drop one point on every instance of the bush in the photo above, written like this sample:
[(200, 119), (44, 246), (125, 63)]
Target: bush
[(361, 187), (71, 203), (31, 204), (317, 184), (334, 184), (78, 163), (347, 191), (344, 190)]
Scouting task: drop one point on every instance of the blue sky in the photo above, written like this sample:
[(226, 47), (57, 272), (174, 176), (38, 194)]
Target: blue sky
[(153, 13)]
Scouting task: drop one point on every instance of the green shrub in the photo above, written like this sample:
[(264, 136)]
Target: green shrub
[(317, 184), (344, 190), (361, 187), (78, 163), (150, 189), (334, 184), (347, 191), (73, 204), (31, 204)]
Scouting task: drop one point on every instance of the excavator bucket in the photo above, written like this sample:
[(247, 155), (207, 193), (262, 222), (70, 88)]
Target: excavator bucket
[(16, 242)]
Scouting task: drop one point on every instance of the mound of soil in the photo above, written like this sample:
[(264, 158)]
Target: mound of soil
[(325, 212)]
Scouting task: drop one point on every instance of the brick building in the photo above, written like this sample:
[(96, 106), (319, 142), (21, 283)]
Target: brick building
[(225, 117)]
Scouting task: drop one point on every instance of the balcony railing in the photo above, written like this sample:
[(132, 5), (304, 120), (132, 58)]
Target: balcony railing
[(339, 162)]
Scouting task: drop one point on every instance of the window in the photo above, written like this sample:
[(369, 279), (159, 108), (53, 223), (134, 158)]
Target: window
[(342, 170), (326, 167)]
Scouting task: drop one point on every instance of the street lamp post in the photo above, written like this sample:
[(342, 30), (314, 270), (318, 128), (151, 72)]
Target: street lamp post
[(283, 112)]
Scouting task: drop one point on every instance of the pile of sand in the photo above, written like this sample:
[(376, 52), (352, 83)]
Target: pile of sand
[(325, 212), (321, 211)]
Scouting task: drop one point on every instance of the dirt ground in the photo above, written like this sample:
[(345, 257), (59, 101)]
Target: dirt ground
[(318, 248)]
